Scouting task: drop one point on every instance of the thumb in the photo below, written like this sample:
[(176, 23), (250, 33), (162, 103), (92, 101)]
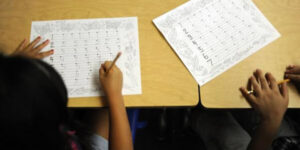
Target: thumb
[(21, 45), (293, 77), (106, 65)]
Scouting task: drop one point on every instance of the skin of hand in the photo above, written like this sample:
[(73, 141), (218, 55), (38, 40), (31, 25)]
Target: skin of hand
[(292, 72), (271, 101), (112, 81), (32, 50)]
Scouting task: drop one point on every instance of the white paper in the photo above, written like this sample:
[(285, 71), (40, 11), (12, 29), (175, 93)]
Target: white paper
[(80, 46), (210, 36)]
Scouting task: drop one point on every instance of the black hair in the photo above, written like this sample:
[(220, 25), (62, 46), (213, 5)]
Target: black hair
[(33, 105)]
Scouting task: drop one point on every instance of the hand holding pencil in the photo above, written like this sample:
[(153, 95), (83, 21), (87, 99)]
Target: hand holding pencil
[(111, 78)]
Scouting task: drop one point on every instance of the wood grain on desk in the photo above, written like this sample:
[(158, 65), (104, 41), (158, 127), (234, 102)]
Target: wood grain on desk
[(165, 80), (223, 92)]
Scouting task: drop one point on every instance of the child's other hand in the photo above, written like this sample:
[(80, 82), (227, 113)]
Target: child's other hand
[(269, 99), (31, 50), (292, 72), (112, 81)]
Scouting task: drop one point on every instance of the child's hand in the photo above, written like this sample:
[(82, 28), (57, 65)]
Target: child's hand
[(112, 81), (31, 50), (292, 72), (269, 99)]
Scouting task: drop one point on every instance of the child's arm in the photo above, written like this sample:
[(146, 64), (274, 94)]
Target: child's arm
[(32, 50), (119, 130), (271, 102)]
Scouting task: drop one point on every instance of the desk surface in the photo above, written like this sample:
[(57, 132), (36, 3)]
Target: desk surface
[(223, 92), (165, 80)]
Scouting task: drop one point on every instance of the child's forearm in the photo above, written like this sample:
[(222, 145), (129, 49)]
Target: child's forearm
[(119, 131), (263, 136)]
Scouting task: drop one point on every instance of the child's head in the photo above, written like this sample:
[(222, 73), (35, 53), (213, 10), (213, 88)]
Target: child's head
[(33, 101)]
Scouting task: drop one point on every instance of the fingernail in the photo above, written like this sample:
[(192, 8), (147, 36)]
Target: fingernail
[(52, 51), (39, 37)]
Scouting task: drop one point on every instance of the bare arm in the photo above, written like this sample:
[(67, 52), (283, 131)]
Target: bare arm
[(119, 129), (119, 133), (263, 136)]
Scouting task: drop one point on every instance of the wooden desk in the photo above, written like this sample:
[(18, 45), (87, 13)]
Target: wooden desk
[(165, 80), (223, 92)]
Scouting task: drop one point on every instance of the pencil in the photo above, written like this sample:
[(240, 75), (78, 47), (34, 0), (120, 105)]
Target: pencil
[(280, 82), (114, 61), (283, 81)]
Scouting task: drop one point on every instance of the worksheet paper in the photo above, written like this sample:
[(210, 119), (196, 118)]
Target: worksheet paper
[(210, 36), (81, 46)]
